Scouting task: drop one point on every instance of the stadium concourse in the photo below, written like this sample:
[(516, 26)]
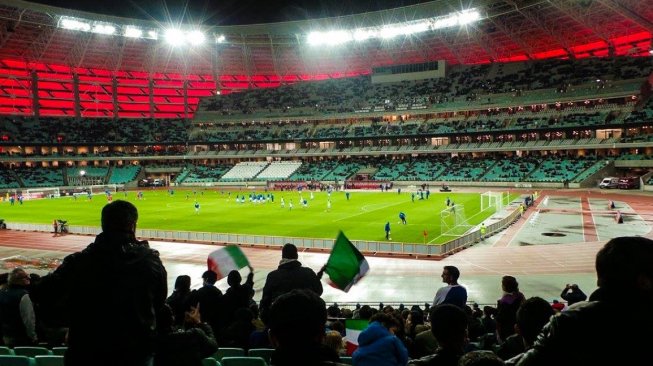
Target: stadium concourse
[(554, 243)]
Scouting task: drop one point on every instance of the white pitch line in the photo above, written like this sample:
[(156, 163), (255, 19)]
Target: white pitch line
[(366, 212)]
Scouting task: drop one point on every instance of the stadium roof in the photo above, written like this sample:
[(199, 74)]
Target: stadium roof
[(508, 31)]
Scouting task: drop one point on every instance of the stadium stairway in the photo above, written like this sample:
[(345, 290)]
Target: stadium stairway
[(65, 176), (107, 177)]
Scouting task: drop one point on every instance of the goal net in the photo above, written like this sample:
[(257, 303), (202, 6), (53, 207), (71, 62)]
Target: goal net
[(453, 220), (45, 192), (492, 200)]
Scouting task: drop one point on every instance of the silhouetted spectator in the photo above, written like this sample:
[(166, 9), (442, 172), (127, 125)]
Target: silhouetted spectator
[(532, 315), (112, 290), (507, 307), (17, 311), (449, 326), (573, 294), (288, 276), (182, 347), (296, 320), (603, 330), (179, 297), (208, 299)]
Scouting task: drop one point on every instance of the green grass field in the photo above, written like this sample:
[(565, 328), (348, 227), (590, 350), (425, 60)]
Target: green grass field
[(361, 218)]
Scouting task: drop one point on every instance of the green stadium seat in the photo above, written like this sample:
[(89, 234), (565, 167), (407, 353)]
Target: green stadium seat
[(243, 361), (347, 360), (6, 351), (49, 360), (31, 351), (228, 352), (59, 351), (12, 360), (209, 361), (264, 353)]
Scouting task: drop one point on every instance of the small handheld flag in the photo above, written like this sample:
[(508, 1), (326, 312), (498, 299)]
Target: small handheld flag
[(225, 260), (346, 265)]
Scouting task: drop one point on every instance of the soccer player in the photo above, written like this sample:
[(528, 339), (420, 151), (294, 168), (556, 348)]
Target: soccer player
[(283, 203), (328, 205), (402, 217), (412, 196), (387, 231), (290, 205), (312, 197), (347, 195), (197, 208), (448, 201)]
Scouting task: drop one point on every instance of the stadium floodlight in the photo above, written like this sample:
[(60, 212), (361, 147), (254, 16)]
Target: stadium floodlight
[(72, 23), (330, 37), (103, 28), (152, 34), (174, 37), (364, 34), (220, 38), (389, 31), (133, 32), (468, 16), (196, 37)]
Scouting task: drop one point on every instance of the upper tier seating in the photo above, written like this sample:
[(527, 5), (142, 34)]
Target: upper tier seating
[(279, 170), (245, 170), (524, 83), (124, 174)]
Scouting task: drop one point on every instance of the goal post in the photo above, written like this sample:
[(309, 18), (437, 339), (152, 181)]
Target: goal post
[(491, 199), (453, 220), (44, 192)]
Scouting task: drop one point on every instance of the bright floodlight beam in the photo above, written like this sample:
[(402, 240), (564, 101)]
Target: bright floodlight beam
[(174, 37), (196, 38), (103, 28), (393, 30), (74, 24), (133, 32)]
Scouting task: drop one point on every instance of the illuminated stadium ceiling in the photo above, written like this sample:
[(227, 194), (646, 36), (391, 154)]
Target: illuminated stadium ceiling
[(269, 53)]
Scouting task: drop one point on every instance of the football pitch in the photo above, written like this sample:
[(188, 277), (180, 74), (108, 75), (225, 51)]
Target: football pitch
[(362, 217)]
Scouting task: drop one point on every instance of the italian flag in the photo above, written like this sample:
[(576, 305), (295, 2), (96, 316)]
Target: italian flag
[(225, 260), (346, 265), (353, 328)]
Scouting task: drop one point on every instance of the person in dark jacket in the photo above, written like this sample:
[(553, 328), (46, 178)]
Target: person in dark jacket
[(183, 347), (208, 299), (449, 326), (573, 294), (613, 327), (112, 290), (297, 327), (178, 299), (238, 295), (378, 345), (17, 311), (288, 276)]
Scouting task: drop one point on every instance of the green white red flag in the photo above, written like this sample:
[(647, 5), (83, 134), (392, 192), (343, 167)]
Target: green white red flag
[(353, 328), (225, 260), (346, 265)]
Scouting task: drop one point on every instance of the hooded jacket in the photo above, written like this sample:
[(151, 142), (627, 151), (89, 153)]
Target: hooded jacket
[(378, 347)]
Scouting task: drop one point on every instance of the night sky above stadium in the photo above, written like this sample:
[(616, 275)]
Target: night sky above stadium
[(228, 12)]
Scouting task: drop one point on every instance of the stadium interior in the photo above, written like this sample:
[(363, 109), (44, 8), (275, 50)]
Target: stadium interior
[(527, 96)]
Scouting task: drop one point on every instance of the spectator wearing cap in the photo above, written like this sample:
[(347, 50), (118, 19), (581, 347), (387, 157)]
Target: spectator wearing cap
[(289, 275), (209, 300)]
